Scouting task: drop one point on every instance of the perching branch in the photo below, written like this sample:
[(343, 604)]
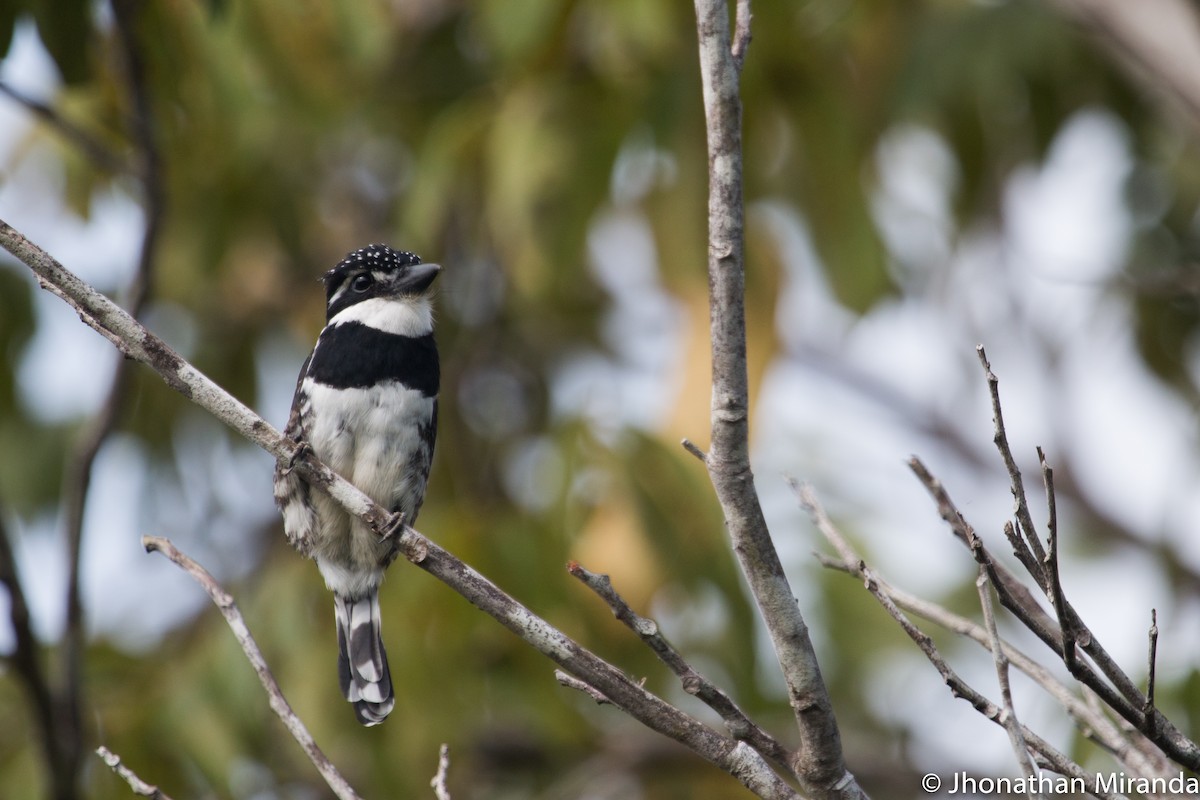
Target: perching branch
[(819, 762), (100, 313), (279, 704)]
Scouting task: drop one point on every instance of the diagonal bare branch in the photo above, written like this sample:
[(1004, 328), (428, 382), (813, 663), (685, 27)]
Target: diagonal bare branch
[(740, 726), (1156, 41), (279, 704), (136, 784)]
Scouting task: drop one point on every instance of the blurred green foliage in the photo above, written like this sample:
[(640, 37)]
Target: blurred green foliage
[(484, 136)]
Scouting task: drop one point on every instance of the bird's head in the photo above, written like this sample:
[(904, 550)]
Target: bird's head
[(376, 281)]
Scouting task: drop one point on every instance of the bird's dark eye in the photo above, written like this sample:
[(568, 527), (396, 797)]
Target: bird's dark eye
[(361, 283)]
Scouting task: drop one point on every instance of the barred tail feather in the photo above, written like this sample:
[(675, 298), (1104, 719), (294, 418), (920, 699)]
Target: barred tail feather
[(362, 662)]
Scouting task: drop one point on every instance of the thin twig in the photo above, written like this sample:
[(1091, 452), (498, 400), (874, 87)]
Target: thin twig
[(438, 782), (98, 153), (1151, 667), (139, 786), (582, 686), (691, 447), (1016, 484), (741, 33), (740, 726), (1021, 549), (1012, 593), (1057, 598), (279, 704), (1009, 718)]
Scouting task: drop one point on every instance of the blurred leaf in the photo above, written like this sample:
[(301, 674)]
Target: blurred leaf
[(65, 28)]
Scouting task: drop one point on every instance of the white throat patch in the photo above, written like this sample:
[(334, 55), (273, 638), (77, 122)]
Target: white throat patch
[(407, 316)]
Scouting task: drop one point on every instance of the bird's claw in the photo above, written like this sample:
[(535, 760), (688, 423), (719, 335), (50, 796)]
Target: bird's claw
[(392, 526), (302, 451)]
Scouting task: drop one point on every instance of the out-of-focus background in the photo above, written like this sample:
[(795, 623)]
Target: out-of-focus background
[(920, 177)]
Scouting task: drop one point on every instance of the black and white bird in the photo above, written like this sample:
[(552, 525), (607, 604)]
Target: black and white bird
[(366, 404)]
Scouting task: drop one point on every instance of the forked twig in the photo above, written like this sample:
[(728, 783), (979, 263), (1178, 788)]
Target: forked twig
[(1016, 483), (740, 726), (571, 682)]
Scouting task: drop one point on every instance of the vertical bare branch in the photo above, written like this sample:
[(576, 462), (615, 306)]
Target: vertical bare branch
[(279, 704), (819, 760), (1057, 598)]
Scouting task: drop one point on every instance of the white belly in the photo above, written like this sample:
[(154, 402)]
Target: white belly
[(371, 437)]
